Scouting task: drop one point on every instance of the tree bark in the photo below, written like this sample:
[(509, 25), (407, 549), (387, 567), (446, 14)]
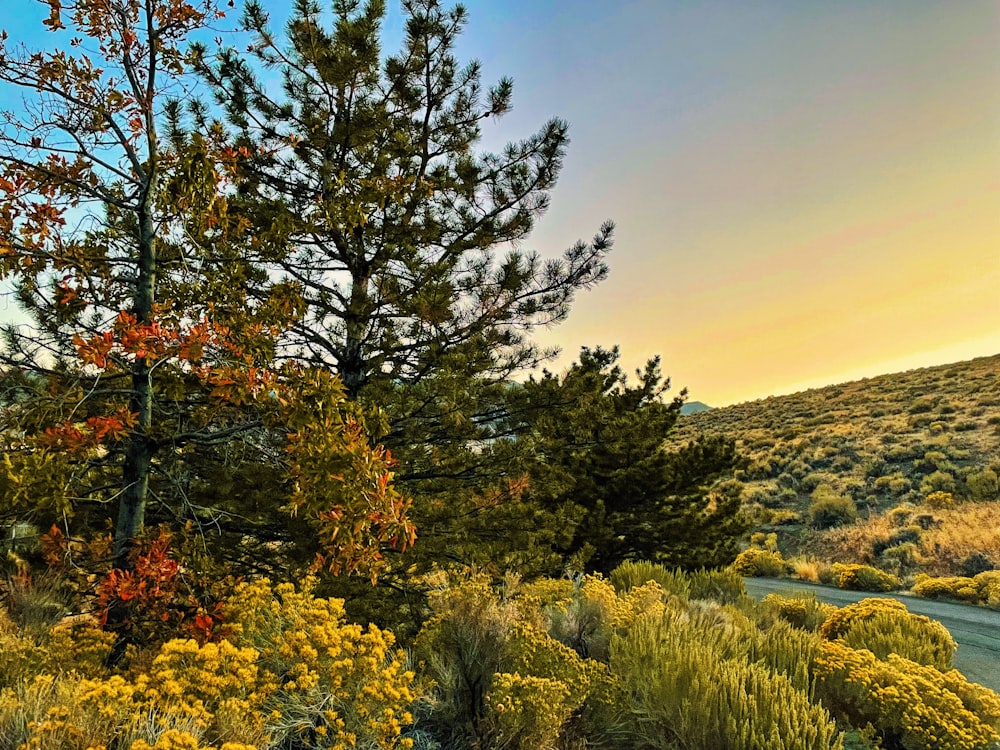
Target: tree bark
[(139, 453)]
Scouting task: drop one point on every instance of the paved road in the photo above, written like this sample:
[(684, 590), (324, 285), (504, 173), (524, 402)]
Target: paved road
[(975, 630)]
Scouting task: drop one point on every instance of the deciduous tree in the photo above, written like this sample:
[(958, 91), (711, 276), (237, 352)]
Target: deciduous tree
[(143, 372)]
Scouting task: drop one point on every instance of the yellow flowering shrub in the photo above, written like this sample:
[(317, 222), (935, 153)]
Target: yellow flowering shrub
[(337, 684), (800, 610), (885, 626), (20, 658), (946, 587), (535, 652), (909, 635), (981, 589), (582, 620), (49, 712), (840, 620), (72, 713), (177, 740), (855, 577), (294, 675), (913, 706), (595, 612), (755, 561), (982, 701), (172, 739), (988, 584), (78, 643), (74, 644), (639, 601), (633, 573), (218, 685), (525, 711), (545, 592)]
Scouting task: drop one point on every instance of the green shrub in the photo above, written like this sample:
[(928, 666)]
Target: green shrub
[(635, 573), (902, 557), (940, 500), (787, 650), (898, 484), (724, 585), (586, 620), (829, 509), (922, 405), (909, 534), (784, 517), (811, 481), (854, 577), (683, 694), (901, 514), (498, 677), (937, 481), (983, 486), (463, 644), (912, 636), (977, 562)]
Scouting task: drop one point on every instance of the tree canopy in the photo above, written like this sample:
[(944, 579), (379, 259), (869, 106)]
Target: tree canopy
[(300, 316), (404, 242), (144, 375)]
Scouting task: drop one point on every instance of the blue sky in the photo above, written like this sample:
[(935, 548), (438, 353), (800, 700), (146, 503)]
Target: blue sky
[(805, 191)]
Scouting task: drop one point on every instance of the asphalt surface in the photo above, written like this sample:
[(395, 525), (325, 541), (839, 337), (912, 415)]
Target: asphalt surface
[(976, 630)]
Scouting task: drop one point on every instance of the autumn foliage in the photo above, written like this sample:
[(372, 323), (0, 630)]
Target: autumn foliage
[(147, 371)]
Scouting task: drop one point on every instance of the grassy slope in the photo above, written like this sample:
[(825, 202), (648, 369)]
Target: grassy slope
[(884, 442)]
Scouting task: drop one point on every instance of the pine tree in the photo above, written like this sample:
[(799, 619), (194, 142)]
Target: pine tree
[(597, 445), (403, 240)]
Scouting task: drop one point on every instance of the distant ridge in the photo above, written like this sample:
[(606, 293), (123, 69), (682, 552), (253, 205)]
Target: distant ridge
[(693, 407)]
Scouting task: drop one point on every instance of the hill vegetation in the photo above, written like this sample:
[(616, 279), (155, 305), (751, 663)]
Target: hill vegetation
[(899, 471)]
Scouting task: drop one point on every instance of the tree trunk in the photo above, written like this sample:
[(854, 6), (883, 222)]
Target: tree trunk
[(352, 366), (138, 454)]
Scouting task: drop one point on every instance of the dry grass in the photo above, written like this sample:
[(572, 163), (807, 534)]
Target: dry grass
[(806, 570), (956, 534)]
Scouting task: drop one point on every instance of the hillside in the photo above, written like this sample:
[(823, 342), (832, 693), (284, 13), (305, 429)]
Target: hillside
[(925, 442)]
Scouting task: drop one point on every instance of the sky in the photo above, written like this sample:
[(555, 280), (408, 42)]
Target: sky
[(805, 192)]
